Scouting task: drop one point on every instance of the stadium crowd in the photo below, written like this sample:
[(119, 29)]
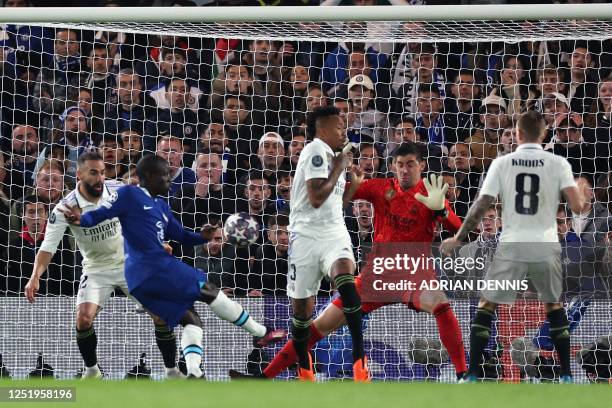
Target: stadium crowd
[(229, 117)]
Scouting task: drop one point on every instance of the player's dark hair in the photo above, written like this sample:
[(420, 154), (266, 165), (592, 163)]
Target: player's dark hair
[(532, 124), (148, 164), (89, 156), (282, 220), (407, 148), (322, 112)]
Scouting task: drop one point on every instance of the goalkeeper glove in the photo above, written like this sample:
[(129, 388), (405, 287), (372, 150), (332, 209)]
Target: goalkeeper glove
[(436, 194)]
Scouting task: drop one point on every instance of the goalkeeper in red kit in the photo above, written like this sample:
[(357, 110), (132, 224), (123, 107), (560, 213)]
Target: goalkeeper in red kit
[(406, 209)]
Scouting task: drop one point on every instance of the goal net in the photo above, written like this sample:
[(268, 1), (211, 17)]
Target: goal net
[(225, 99)]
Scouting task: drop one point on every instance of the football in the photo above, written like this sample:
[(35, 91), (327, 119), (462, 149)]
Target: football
[(241, 229)]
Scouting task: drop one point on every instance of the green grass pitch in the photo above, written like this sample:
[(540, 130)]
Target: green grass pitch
[(282, 394)]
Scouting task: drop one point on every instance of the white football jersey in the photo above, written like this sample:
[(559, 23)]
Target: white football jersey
[(529, 182), (304, 219), (101, 245)]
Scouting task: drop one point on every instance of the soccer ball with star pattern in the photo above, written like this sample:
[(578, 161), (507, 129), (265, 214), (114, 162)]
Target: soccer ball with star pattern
[(241, 229)]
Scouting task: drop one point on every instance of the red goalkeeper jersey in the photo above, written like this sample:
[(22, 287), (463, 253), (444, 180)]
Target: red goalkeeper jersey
[(398, 216)]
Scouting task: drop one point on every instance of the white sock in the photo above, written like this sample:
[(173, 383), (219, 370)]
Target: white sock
[(91, 372), (231, 311), (191, 344)]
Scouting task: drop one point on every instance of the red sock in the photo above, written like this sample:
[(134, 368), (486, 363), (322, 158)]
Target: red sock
[(287, 356), (450, 335)]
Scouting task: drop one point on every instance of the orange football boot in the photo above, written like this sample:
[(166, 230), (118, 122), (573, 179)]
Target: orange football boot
[(361, 372), (306, 375)]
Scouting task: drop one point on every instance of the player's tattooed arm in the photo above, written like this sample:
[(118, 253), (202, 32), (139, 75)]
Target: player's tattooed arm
[(474, 216), (319, 188)]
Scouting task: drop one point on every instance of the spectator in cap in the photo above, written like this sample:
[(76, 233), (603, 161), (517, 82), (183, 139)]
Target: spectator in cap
[(362, 94), (568, 142), (554, 106), (271, 156), (484, 141)]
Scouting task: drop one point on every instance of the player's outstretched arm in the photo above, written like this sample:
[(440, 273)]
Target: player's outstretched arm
[(319, 189), (473, 217), (176, 232)]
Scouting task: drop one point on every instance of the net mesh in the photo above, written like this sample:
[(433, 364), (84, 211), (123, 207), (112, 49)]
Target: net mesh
[(203, 96)]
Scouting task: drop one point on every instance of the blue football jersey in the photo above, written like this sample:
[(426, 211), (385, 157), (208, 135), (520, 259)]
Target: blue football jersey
[(146, 223)]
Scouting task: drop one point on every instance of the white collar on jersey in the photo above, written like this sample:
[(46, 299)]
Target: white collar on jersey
[(530, 146), (145, 190), (83, 202)]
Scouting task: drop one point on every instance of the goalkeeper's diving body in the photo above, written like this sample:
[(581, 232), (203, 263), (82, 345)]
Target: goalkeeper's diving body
[(165, 286), (395, 220)]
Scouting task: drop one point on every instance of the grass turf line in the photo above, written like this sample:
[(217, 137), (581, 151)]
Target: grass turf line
[(282, 394)]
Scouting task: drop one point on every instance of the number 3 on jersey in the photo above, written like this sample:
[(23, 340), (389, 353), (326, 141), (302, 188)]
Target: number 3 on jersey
[(527, 189)]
